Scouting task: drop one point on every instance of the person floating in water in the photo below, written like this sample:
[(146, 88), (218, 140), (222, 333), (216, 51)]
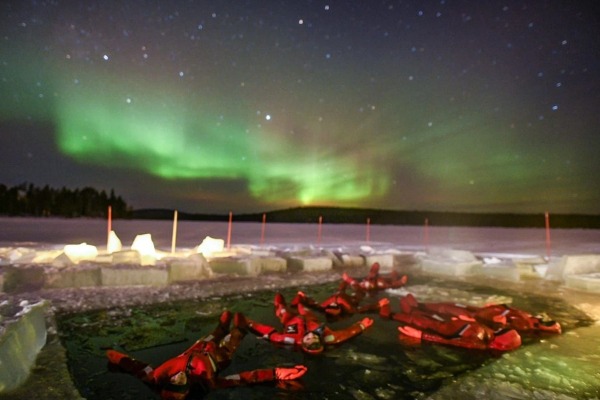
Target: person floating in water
[(496, 316), (339, 305), (200, 365), (428, 326), (374, 282), (303, 329)]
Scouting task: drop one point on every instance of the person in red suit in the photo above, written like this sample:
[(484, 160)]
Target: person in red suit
[(429, 326), (339, 305), (374, 282), (302, 328), (201, 363), (496, 316)]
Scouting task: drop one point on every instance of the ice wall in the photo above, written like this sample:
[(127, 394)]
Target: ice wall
[(20, 344)]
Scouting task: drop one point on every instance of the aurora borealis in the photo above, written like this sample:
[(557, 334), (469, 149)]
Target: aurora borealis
[(212, 106)]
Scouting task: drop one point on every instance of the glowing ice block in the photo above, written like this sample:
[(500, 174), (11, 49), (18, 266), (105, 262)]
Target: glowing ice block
[(80, 252), (20, 344), (114, 243), (211, 246)]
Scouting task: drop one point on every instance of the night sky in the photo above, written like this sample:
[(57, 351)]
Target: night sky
[(247, 106)]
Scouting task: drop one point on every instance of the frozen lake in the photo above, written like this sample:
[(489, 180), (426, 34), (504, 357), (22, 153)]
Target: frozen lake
[(51, 232)]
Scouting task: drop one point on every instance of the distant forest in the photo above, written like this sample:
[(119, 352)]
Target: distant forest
[(338, 215), (29, 200)]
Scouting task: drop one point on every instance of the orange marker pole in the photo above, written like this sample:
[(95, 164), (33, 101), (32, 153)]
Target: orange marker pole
[(174, 237), (320, 229), (262, 228), (548, 245), (109, 229), (229, 230), (368, 230)]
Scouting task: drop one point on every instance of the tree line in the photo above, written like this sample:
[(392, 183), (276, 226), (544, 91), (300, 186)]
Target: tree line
[(29, 200)]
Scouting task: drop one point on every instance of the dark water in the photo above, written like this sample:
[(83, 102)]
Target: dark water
[(376, 364)]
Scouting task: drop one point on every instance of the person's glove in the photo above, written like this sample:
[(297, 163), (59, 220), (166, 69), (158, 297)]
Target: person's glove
[(384, 308), (115, 357), (410, 331), (287, 374), (365, 323)]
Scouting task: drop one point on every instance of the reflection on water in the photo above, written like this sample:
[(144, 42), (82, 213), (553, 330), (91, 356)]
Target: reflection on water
[(375, 365)]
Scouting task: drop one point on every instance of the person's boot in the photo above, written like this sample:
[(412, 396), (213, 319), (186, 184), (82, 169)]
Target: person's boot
[(239, 321), (279, 300)]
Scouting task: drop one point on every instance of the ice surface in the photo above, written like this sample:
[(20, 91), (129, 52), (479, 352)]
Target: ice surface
[(575, 264), (563, 367), (586, 282), (500, 254)]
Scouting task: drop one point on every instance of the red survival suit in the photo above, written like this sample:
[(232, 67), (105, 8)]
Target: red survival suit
[(429, 326), (200, 365), (374, 282), (299, 324), (495, 316), (339, 305)]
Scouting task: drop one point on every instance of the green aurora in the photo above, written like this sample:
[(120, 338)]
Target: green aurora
[(403, 133)]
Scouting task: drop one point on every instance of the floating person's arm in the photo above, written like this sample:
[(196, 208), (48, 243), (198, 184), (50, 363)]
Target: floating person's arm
[(130, 365), (394, 281), (307, 314), (436, 338), (373, 272), (335, 337), (504, 316), (353, 283), (302, 298), (504, 340), (368, 308), (406, 315), (261, 376), (268, 332)]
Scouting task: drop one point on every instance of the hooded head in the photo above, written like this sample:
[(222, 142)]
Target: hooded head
[(177, 388), (506, 340), (547, 326), (312, 343)]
